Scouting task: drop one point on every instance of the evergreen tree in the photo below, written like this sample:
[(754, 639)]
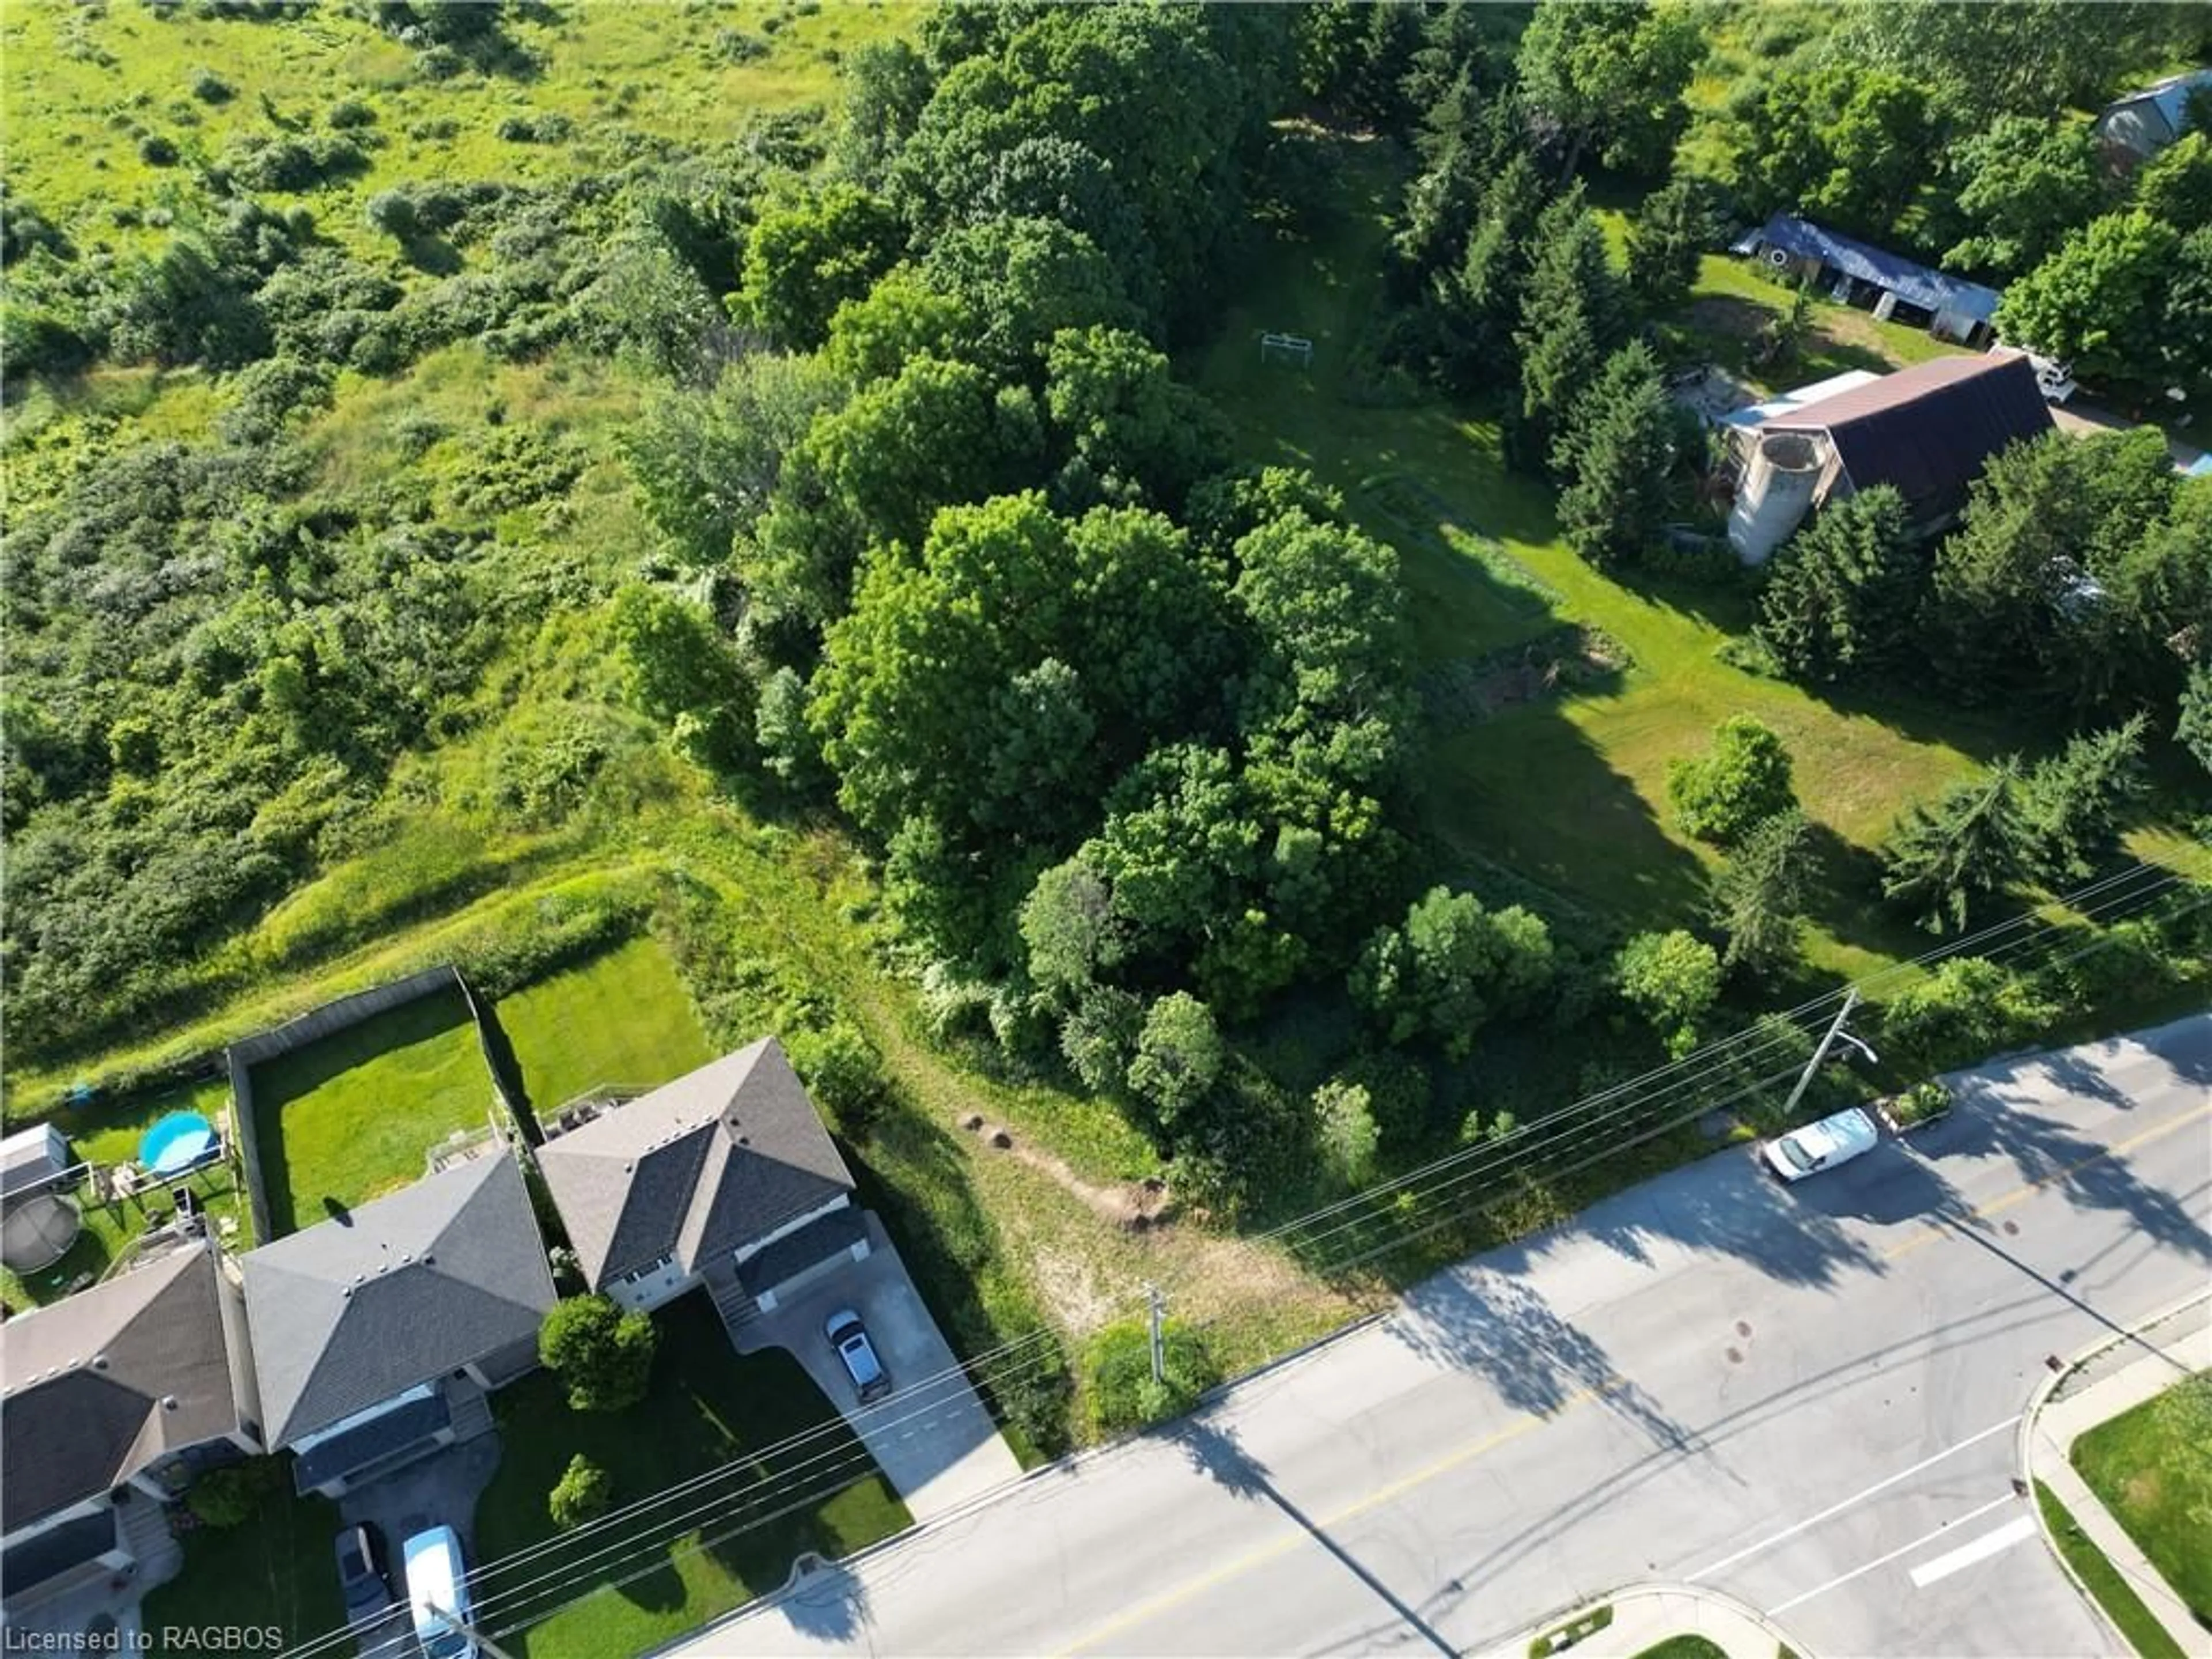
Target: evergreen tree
[(1758, 898), (2070, 805), (1481, 300), (1571, 316), (1841, 595), (2194, 732), (1943, 859), (1617, 454), (1665, 239)]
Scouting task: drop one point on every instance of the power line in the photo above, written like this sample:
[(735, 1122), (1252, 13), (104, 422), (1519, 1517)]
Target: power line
[(751, 1462), (1762, 1038), (1560, 1129)]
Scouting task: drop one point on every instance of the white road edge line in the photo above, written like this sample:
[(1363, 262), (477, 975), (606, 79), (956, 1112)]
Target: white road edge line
[(1750, 1550), (1966, 1554), (1884, 1560)]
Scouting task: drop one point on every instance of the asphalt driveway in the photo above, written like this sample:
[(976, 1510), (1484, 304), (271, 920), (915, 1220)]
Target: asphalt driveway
[(935, 1443), (440, 1491)]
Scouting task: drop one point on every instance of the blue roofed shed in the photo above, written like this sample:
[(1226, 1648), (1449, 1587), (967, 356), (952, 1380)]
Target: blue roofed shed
[(1956, 309)]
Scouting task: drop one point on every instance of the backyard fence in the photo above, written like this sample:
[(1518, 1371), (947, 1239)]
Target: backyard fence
[(328, 1021)]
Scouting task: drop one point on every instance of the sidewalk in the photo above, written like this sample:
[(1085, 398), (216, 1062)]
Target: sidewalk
[(2117, 1385), (1644, 1615)]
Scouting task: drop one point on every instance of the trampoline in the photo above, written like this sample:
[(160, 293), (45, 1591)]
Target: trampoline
[(180, 1141), (38, 1232)]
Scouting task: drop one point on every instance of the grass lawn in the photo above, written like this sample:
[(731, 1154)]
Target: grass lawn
[(708, 1407), (623, 1018), (107, 1130), (1568, 791), (2153, 1468), (277, 1569), (2113, 1593), (1684, 1647), (344, 1119)]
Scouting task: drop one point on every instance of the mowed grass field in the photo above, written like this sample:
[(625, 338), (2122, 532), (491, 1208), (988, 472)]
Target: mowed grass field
[(1570, 789), (2152, 1467), (709, 1408), (354, 1115), (621, 1018)]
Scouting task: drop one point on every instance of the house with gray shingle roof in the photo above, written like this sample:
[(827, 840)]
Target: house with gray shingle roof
[(725, 1177), (121, 1392), (373, 1331)]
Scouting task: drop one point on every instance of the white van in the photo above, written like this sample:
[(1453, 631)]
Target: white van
[(437, 1596), (1821, 1146)]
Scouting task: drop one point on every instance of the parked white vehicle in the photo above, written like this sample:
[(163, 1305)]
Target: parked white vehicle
[(437, 1596), (1821, 1145)]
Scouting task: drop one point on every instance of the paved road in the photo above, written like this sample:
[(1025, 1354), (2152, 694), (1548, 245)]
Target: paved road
[(1807, 1397)]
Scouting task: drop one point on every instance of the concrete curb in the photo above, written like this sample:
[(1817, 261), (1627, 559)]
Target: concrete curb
[(1516, 1646), (2024, 1444), (796, 1580)]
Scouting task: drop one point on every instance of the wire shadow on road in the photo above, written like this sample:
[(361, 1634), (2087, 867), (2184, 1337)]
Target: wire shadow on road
[(1215, 1452), (1711, 1438)]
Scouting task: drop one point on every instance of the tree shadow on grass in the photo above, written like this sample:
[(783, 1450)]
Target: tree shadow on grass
[(1530, 791), (1845, 897)]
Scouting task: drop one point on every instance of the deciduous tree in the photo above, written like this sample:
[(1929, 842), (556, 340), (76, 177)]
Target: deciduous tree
[(1743, 779)]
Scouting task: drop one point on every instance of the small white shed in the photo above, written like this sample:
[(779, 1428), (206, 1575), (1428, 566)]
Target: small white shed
[(30, 1157)]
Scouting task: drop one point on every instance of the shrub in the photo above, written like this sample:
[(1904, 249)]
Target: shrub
[(1344, 1128), (293, 163), (157, 151), (395, 213), (1920, 1103), (210, 88), (269, 393), (1119, 1392), (351, 112), (1967, 1009), (602, 1354), (230, 1496), (1673, 979), (1032, 1398), (582, 1493), (543, 129), (1744, 780), (1397, 1092), (843, 1071)]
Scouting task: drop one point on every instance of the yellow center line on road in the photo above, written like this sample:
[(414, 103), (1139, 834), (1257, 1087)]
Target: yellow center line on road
[(1934, 1230), (1291, 1539), (1152, 1608)]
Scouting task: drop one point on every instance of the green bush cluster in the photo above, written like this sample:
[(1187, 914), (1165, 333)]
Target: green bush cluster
[(602, 1356), (234, 1494), (584, 1492), (1119, 1392)]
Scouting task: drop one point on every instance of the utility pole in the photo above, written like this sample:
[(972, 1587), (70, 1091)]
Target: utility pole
[(1835, 1029), (1159, 1305)]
